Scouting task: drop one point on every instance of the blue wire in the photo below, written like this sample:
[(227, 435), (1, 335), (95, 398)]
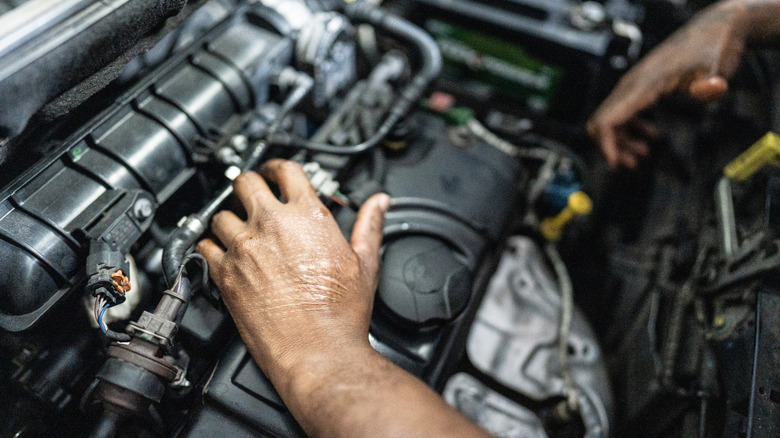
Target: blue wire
[(100, 318)]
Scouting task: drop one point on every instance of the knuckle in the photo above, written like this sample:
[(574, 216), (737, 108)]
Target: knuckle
[(290, 167), (201, 247), (243, 241), (273, 218), (219, 217)]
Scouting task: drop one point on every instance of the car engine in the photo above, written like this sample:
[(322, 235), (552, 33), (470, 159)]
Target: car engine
[(540, 294)]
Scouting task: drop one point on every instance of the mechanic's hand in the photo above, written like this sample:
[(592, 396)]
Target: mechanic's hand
[(292, 283), (698, 59)]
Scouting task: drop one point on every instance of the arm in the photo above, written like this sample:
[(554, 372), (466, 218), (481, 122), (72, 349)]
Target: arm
[(698, 59), (301, 297)]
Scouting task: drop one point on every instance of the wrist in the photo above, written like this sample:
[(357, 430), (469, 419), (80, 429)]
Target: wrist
[(298, 374)]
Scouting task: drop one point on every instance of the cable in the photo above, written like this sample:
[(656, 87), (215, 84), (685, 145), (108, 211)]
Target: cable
[(204, 265), (430, 66), (102, 303), (101, 324), (378, 166), (480, 131), (564, 323), (339, 201)]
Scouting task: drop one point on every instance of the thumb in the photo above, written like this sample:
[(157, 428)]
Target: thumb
[(367, 233), (708, 89)]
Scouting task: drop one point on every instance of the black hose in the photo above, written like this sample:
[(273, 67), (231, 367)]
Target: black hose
[(180, 241), (378, 166), (430, 66), (117, 336), (108, 424)]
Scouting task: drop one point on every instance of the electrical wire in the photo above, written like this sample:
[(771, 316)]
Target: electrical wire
[(480, 131), (101, 324), (339, 201), (100, 307), (564, 323)]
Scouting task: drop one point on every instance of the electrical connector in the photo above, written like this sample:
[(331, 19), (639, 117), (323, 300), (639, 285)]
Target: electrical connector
[(321, 180)]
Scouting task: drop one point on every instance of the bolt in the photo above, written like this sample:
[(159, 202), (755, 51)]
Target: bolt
[(239, 143), (589, 16), (228, 156), (143, 209)]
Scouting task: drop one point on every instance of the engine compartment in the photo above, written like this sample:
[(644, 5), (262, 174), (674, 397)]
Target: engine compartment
[(538, 293)]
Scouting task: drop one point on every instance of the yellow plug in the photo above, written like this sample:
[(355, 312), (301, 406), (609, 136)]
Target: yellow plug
[(578, 204), (765, 151)]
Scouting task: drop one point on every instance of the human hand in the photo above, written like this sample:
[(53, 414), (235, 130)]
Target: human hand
[(292, 283), (698, 59)]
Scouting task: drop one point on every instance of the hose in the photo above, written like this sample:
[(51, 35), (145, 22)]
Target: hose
[(430, 66), (180, 241), (378, 166), (108, 424)]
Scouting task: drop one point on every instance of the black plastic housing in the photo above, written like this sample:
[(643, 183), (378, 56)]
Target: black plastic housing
[(143, 143), (589, 60)]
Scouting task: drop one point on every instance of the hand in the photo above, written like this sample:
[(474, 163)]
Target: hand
[(301, 297), (698, 59), (292, 283)]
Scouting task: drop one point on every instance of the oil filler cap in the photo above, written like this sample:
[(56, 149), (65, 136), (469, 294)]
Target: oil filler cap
[(424, 280)]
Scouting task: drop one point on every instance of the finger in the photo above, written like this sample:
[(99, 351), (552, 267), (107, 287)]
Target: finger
[(708, 89), (213, 254), (644, 128), (291, 179), (636, 147), (603, 135), (253, 192), (609, 147), (367, 233), (628, 160), (226, 226)]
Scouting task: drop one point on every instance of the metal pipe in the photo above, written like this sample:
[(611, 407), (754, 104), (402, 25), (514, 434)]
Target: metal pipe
[(727, 224)]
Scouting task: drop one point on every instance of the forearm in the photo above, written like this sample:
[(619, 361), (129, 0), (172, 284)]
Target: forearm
[(360, 393), (760, 20)]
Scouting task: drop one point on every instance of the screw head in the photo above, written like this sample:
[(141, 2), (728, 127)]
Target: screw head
[(143, 209), (239, 143)]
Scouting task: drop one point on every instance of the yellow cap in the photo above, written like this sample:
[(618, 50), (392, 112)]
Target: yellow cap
[(579, 204)]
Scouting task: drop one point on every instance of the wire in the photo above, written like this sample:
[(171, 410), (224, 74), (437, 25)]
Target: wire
[(102, 325), (479, 130), (339, 201), (95, 309), (564, 323)]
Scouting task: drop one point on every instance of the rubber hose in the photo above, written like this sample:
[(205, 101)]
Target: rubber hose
[(173, 253)]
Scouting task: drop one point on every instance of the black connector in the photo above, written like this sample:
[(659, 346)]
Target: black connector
[(108, 272)]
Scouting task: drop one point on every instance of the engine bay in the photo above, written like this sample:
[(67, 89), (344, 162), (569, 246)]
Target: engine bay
[(541, 294)]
